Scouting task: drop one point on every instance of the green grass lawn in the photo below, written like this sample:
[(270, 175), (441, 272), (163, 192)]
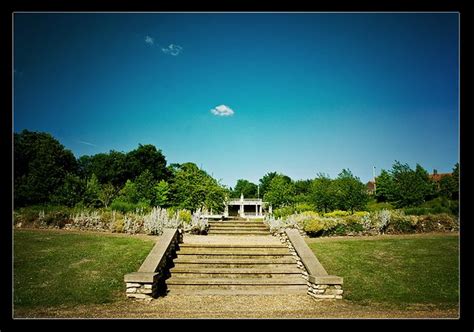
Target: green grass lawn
[(396, 270), (53, 268)]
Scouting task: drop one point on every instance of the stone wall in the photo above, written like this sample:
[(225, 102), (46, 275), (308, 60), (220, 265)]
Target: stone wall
[(321, 285), (149, 281)]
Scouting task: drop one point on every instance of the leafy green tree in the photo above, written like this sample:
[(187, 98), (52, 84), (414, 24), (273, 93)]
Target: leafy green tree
[(145, 185), (92, 192), (71, 192), (265, 182), (449, 185), (321, 195), (350, 192), (106, 194), (192, 188), (128, 193), (162, 189), (41, 165), (303, 190), (245, 187), (384, 187), (147, 157), (411, 187), (280, 192)]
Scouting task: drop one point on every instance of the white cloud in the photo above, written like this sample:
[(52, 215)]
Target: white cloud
[(149, 40), (222, 110), (172, 49)]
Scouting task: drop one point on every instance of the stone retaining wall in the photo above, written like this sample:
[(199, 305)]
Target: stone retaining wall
[(149, 281), (321, 285)]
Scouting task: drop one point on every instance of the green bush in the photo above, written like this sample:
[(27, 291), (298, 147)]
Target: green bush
[(122, 206), (283, 212), (373, 206), (303, 207), (185, 216), (337, 213)]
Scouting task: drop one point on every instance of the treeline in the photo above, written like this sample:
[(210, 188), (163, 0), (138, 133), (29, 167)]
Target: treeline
[(47, 173), (399, 187)]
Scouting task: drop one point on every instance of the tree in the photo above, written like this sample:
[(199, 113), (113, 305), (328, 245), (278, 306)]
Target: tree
[(145, 185), (384, 187), (449, 185), (350, 192), (247, 188), (41, 165), (411, 187), (265, 182), (71, 192), (106, 194), (303, 191), (147, 157), (280, 192), (161, 193), (92, 192), (129, 193), (192, 188), (321, 195)]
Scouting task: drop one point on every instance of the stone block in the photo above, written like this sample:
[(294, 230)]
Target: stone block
[(338, 297), (330, 291), (133, 284), (148, 286), (132, 290)]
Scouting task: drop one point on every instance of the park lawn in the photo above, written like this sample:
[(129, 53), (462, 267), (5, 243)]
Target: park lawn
[(403, 271), (53, 268)]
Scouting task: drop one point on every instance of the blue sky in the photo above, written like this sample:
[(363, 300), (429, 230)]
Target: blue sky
[(244, 94)]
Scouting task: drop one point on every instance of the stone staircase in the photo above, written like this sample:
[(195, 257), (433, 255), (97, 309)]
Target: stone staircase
[(239, 258)]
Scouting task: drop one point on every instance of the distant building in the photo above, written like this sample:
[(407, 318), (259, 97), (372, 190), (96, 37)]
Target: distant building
[(436, 177), (371, 187)]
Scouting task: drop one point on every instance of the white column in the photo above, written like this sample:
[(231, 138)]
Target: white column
[(256, 209), (260, 210)]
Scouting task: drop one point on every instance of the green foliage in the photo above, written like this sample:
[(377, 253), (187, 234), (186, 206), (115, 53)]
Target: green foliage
[(373, 206), (192, 189), (337, 213), (145, 185), (106, 194), (350, 192), (247, 188), (280, 191), (71, 192), (322, 195), (41, 165), (185, 216), (283, 212), (162, 189), (92, 192), (265, 182), (385, 187), (124, 206)]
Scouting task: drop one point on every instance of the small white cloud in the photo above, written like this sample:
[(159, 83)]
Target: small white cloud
[(222, 110), (172, 49), (149, 40)]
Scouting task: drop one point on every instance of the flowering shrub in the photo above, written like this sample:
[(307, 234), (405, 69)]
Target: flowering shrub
[(337, 213)]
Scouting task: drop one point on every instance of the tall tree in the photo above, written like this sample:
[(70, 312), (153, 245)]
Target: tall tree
[(265, 182), (41, 165), (384, 187), (280, 192), (321, 195), (245, 187), (351, 193), (192, 188)]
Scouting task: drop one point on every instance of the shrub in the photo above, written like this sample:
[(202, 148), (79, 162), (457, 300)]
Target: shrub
[(283, 212), (373, 206), (438, 222), (303, 207), (185, 216), (337, 213), (321, 226)]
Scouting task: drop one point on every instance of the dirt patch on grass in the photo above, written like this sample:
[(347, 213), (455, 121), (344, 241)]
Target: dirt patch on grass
[(213, 306)]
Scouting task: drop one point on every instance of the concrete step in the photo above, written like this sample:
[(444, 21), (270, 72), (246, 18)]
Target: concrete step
[(250, 228), (237, 232), (225, 245), (237, 290), (239, 270), (293, 277), (254, 257), (236, 281), (233, 251), (192, 259), (238, 224)]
